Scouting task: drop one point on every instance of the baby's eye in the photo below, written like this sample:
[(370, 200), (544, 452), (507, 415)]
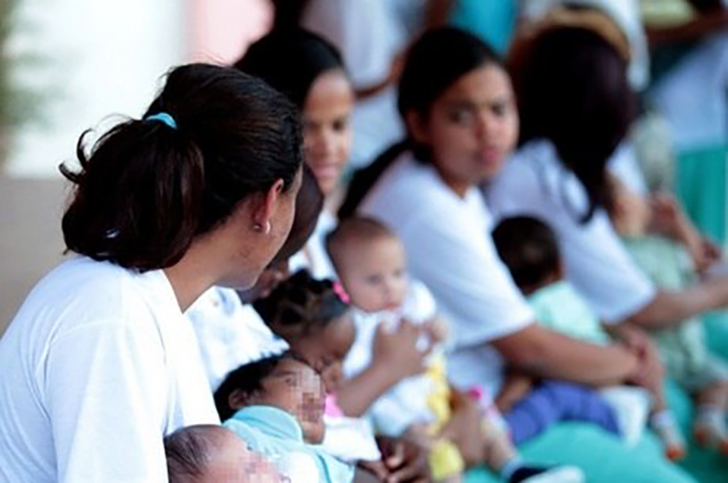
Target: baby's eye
[(341, 124), (374, 279)]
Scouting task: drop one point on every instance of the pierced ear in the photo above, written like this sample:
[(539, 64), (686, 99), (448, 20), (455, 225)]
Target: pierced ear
[(266, 207), (238, 399), (417, 127)]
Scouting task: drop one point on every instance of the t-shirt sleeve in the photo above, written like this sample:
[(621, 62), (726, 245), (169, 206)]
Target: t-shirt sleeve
[(601, 270), (106, 386), (458, 263)]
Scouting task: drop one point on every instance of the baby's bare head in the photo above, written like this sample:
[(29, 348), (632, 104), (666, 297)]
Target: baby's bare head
[(209, 453)]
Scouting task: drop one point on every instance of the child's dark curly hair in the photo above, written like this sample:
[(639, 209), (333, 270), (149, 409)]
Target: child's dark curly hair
[(301, 305), (248, 378)]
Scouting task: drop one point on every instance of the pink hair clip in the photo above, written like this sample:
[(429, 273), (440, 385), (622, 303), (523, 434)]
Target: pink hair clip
[(339, 290)]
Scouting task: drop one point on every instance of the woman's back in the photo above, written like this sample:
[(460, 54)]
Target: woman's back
[(73, 324)]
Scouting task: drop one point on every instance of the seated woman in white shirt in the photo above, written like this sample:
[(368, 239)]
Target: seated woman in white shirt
[(99, 364), (458, 104), (311, 73), (576, 106)]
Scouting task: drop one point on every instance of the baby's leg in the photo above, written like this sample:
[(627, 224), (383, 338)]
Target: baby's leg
[(554, 401), (501, 456), (664, 424), (710, 426)]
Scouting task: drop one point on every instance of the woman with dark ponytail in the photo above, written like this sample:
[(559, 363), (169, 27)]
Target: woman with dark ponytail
[(99, 363), (459, 108)]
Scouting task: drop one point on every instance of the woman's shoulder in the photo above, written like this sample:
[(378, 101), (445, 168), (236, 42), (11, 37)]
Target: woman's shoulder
[(409, 190), (531, 161), (534, 181), (82, 292)]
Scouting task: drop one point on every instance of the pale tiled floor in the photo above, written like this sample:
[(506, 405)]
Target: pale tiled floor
[(30, 237)]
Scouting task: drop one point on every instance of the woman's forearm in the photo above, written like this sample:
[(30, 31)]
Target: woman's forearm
[(670, 308), (545, 353)]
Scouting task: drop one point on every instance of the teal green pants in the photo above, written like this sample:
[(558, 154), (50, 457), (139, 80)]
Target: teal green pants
[(700, 183)]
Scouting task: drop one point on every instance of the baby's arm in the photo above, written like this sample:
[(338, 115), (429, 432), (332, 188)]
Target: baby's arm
[(515, 387), (395, 356), (436, 330)]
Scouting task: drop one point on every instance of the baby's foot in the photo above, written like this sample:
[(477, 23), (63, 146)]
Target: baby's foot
[(710, 429), (669, 433)]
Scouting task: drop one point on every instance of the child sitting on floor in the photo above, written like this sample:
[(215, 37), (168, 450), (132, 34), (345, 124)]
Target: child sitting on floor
[(213, 454), (674, 265), (529, 249), (370, 262), (276, 406)]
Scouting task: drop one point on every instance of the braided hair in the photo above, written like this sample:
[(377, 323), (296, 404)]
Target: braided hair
[(301, 305)]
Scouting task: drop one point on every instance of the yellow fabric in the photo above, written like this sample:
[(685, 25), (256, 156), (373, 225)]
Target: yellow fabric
[(445, 459), (439, 398)]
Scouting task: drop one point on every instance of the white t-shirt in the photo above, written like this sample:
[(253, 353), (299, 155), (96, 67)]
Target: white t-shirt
[(535, 183), (623, 164), (693, 96), (406, 402), (449, 248), (369, 35), (314, 256), (230, 333), (98, 365)]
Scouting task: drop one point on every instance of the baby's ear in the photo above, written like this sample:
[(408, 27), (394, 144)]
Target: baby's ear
[(239, 399)]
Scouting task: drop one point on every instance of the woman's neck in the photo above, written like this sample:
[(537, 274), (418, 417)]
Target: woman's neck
[(190, 277), (459, 187)]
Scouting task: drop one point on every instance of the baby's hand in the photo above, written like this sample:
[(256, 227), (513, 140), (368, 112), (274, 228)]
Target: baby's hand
[(436, 330), (397, 349), (420, 435)]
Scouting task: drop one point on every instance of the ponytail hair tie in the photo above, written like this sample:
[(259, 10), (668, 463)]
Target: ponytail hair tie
[(164, 118)]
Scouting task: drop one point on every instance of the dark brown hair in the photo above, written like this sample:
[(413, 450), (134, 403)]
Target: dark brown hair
[(309, 203), (572, 89), (529, 248), (248, 379), (189, 452), (301, 305), (147, 190), (290, 60)]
